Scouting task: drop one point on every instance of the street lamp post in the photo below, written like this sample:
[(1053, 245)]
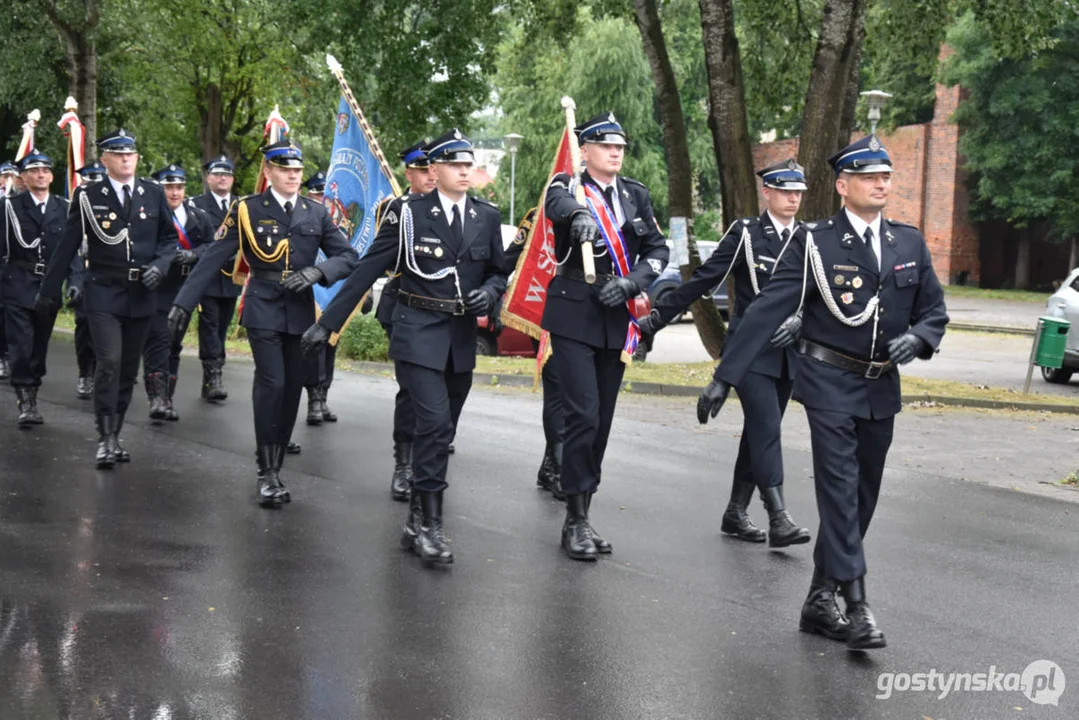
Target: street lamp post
[(513, 140), (876, 100)]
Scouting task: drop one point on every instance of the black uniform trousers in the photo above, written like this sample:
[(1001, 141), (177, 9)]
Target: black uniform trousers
[(159, 355), (118, 343), (320, 368), (553, 418), (278, 384), (28, 333), (848, 463), (3, 333), (760, 454), (404, 419), (84, 346), (215, 314), (590, 378), (437, 398)]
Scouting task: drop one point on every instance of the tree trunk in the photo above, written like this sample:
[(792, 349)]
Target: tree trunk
[(210, 134), (1073, 254), (727, 110), (829, 106), (1022, 261), (709, 324), (81, 63)]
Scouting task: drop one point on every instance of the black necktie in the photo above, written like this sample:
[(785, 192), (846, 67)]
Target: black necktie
[(127, 199), (224, 206), (456, 230), (608, 193), (785, 235), (288, 208), (869, 244)]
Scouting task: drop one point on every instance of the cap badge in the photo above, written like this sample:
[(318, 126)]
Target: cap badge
[(791, 165), (123, 134), (874, 144), (456, 134), (172, 167), (610, 118)]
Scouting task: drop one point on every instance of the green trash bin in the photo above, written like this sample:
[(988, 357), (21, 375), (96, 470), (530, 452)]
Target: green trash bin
[(1052, 340)]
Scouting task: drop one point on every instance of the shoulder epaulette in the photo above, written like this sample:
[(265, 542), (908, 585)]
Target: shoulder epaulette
[(483, 201), (631, 181), (819, 224), (893, 221), (750, 221)]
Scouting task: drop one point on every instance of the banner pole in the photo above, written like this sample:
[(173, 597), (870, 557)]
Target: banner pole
[(335, 68)]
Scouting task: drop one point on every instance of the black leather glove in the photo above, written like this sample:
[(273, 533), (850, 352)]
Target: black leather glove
[(789, 331), (74, 295), (184, 257), (651, 323), (711, 400), (178, 320), (618, 290), (314, 339), (300, 280), (906, 347), (151, 277), (368, 304), (494, 320), (479, 302), (46, 303), (583, 228)]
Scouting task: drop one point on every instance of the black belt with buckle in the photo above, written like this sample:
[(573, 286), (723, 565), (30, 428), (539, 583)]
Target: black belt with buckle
[(866, 368), (36, 268), (277, 276), (130, 274), (452, 307), (578, 275)]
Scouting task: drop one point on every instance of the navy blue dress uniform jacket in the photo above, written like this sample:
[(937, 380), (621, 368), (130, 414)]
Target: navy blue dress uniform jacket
[(19, 283), (152, 240), (911, 299), (200, 230), (268, 305), (429, 337), (222, 285), (730, 255), (573, 309)]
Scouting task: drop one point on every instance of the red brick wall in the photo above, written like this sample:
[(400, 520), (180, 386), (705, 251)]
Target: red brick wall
[(928, 187)]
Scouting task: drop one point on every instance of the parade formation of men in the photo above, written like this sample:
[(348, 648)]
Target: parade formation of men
[(825, 312)]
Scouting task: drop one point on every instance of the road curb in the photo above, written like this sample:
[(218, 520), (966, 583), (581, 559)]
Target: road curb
[(995, 329), (647, 388)]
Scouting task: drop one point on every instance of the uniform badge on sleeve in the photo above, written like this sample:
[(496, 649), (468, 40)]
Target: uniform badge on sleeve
[(391, 217), (656, 265)]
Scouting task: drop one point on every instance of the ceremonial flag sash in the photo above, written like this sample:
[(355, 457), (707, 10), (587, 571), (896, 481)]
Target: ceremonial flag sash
[(76, 144), (619, 254), (181, 234)]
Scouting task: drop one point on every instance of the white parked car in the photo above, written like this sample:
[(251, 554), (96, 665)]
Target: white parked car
[(1065, 303)]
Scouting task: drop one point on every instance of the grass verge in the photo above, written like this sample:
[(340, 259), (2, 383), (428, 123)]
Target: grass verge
[(987, 294)]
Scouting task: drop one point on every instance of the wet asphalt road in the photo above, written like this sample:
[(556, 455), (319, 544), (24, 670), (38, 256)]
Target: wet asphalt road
[(160, 590)]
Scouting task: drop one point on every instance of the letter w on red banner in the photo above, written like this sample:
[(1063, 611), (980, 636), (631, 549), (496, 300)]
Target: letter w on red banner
[(522, 308)]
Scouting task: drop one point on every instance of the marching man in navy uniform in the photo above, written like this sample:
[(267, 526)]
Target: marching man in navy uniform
[(84, 346), (33, 227), (749, 251), (194, 230), (218, 304), (872, 302), (320, 367), (451, 265), (279, 234), (421, 180), (130, 243), (593, 332)]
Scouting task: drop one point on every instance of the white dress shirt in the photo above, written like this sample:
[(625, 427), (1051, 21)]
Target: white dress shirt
[(780, 227), (227, 199), (860, 225), (118, 187), (281, 199), (181, 215), (447, 207), (619, 214)]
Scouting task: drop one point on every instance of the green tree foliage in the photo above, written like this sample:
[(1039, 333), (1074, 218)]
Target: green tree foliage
[(1020, 132)]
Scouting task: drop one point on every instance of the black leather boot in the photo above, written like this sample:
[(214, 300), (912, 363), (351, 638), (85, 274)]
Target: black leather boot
[(216, 388), (5, 369), (156, 389), (169, 392), (556, 485), (545, 475), (863, 633), (293, 448), (430, 543), (25, 419), (314, 406), (282, 491), (84, 387), (401, 482), (820, 612), (207, 366), (122, 455), (781, 528), (327, 414), (602, 546), (736, 520), (413, 521), (576, 532), (268, 481), (35, 416), (106, 453)]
